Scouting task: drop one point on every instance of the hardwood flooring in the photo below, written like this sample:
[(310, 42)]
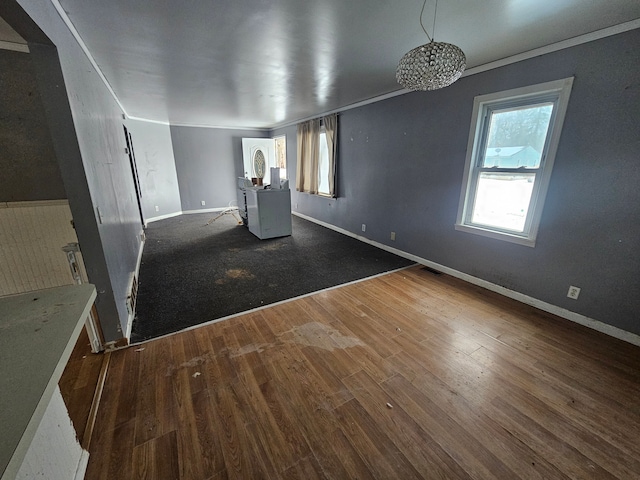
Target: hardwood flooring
[(408, 375)]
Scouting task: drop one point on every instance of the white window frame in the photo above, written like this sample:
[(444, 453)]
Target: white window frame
[(556, 91)]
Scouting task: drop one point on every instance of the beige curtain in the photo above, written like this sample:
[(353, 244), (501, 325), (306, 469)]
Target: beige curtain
[(331, 130), (308, 153)]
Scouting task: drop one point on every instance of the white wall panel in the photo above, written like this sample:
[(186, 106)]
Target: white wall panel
[(32, 235), (54, 453)]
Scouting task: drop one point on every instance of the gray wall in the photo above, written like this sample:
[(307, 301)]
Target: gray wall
[(27, 158), (208, 162), (156, 168), (401, 163), (92, 159)]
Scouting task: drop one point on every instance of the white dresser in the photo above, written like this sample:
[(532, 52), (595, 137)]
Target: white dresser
[(38, 331), (269, 212)]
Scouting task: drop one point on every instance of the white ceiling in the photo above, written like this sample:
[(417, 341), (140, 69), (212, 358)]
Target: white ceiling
[(263, 63)]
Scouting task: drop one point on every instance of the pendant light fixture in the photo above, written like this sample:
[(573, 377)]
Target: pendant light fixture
[(431, 66)]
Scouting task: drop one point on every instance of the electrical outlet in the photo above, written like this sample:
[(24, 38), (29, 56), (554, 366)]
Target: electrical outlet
[(202, 203), (364, 227), (393, 236), (573, 292), (157, 208)]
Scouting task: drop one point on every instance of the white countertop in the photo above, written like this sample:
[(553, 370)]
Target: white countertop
[(38, 331)]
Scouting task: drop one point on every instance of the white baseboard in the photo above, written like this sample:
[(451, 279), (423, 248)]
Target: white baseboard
[(162, 217), (520, 297), (190, 212), (209, 210)]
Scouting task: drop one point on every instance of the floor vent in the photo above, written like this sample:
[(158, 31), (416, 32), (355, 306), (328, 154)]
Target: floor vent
[(431, 270), (133, 296)]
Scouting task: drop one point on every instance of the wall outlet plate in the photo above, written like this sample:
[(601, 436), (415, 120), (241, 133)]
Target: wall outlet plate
[(202, 203), (393, 236), (364, 227), (574, 292)]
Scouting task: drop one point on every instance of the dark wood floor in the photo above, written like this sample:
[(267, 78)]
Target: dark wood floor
[(409, 375)]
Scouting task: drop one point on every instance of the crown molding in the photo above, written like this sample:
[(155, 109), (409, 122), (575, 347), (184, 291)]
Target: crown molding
[(554, 47), (65, 18), (572, 42)]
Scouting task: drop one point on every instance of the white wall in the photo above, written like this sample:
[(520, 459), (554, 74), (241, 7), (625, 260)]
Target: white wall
[(156, 168), (54, 453), (86, 127), (32, 235)]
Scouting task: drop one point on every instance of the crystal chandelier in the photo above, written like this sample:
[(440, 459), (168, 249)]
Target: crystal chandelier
[(431, 66)]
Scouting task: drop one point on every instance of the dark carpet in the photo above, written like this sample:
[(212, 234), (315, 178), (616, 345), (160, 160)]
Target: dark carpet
[(193, 273)]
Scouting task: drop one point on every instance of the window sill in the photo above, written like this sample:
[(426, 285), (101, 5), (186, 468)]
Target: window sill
[(324, 195), (506, 237)]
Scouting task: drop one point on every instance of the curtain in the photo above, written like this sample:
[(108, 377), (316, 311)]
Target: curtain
[(331, 131), (308, 153)]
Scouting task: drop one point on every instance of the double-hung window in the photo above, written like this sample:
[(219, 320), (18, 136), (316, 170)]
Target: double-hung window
[(512, 145)]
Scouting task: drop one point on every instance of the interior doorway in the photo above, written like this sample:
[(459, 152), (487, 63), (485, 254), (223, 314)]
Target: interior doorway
[(134, 172)]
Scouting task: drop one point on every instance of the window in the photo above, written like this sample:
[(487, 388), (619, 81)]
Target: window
[(281, 154), (316, 167), (512, 144), (323, 165)]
